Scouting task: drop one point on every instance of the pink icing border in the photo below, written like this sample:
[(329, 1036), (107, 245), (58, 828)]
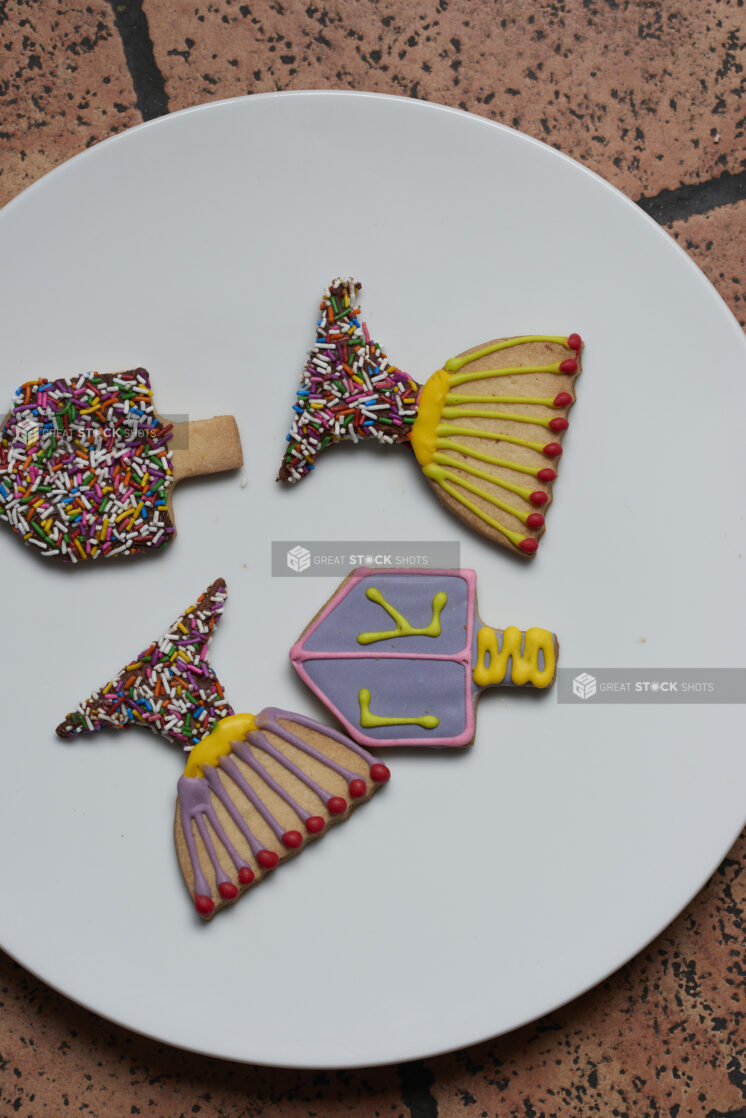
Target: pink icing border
[(298, 655)]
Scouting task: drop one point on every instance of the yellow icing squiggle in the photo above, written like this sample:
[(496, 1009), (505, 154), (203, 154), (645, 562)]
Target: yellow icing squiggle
[(492, 663)]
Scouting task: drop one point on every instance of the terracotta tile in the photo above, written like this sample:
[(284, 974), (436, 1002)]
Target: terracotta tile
[(717, 243), (63, 86), (56, 1058), (663, 1036), (648, 94)]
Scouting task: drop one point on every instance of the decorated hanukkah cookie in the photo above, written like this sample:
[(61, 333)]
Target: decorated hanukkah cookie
[(256, 792), (257, 789), (87, 466), (400, 657), (486, 429)]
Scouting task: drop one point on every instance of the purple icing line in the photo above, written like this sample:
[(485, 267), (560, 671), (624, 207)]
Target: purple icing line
[(216, 786), (194, 797), (241, 749), (270, 714), (209, 814), (269, 718), (231, 768), (258, 739)]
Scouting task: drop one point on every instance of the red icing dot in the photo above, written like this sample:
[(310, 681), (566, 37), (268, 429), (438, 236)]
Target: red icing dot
[(293, 839), (228, 890), (534, 520), (562, 400), (547, 474), (357, 788), (559, 423), (569, 366), (538, 497), (379, 773), (528, 545), (336, 805), (314, 824), (267, 859), (553, 450), (203, 904), (245, 875), (574, 342)]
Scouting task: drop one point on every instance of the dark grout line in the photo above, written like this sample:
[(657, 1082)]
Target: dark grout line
[(698, 198), (416, 1081), (150, 88)]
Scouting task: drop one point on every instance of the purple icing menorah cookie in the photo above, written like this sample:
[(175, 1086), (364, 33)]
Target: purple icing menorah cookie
[(400, 657), (256, 788)]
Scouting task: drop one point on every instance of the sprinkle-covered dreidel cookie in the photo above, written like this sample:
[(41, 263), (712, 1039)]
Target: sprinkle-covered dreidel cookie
[(87, 466), (256, 788), (400, 657), (486, 428)]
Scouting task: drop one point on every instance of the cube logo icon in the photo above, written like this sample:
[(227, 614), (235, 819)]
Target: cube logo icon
[(27, 431), (299, 558), (584, 685)]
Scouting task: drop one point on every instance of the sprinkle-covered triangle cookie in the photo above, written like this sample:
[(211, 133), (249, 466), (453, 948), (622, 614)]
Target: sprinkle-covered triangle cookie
[(486, 428), (87, 466), (256, 788)]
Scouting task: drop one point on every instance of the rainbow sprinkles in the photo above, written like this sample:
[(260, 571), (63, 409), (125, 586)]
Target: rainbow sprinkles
[(486, 428), (257, 789), (85, 469), (348, 390)]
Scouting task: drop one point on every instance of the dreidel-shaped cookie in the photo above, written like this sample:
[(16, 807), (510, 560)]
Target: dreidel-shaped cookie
[(87, 466), (400, 657)]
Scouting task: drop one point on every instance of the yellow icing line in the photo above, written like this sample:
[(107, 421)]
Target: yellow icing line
[(446, 444), (520, 490), (484, 374), (427, 721), (455, 363), (514, 537), (480, 413), (232, 728), (492, 664), (458, 398), (438, 474), (479, 433), (403, 627)]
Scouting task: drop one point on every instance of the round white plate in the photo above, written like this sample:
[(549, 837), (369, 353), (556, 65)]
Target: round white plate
[(481, 888)]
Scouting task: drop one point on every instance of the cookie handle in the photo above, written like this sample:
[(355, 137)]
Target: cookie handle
[(517, 657), (206, 446)]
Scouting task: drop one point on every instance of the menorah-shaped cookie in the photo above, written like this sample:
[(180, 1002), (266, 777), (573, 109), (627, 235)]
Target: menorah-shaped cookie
[(256, 788), (486, 428)]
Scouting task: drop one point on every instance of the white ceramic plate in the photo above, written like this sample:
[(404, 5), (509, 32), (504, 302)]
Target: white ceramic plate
[(479, 890)]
